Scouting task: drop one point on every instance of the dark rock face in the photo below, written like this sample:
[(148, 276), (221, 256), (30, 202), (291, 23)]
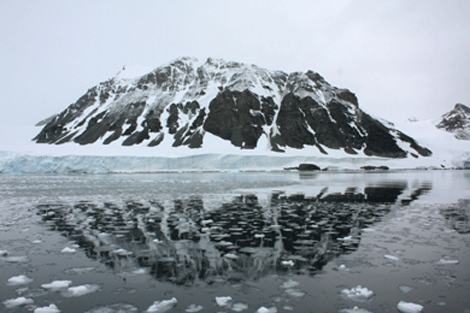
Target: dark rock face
[(457, 121), (182, 101)]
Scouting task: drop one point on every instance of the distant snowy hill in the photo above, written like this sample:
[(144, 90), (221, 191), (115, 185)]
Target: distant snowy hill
[(456, 121), (218, 106)]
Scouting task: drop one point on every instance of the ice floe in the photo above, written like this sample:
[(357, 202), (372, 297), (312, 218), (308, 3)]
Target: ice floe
[(223, 301), (162, 306), (267, 310), (19, 280), (52, 308), (289, 284), (447, 261), (405, 289), (391, 257), (288, 263), (3, 253), (409, 307), (68, 250), (13, 303), (17, 259), (57, 284), (79, 291), (239, 306), (114, 308), (354, 310), (358, 293), (194, 308)]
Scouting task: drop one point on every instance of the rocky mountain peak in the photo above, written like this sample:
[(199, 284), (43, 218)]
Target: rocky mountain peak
[(457, 121), (180, 102)]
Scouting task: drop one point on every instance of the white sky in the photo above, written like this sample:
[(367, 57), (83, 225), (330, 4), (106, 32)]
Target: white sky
[(401, 58)]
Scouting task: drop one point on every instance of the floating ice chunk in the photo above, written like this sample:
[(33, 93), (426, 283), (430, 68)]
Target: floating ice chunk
[(266, 310), (354, 310), (223, 301), (13, 303), (52, 308), (17, 259), (79, 291), (79, 270), (288, 263), (288, 307), (114, 308), (296, 293), (347, 238), (231, 256), (57, 284), (68, 250), (259, 236), (194, 308), (341, 268), (3, 253), (357, 294), (409, 307), (122, 252), (368, 230), (405, 289), (391, 257), (239, 306), (163, 306), (140, 271), (206, 222), (289, 284), (447, 261), (19, 280)]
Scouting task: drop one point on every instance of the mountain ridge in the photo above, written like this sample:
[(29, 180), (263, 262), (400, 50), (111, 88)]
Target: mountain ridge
[(183, 101)]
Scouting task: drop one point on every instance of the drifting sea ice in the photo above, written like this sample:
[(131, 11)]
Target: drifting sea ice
[(162, 306), (239, 306), (79, 291), (409, 307), (114, 308), (357, 294), (48, 309), (68, 250), (19, 280), (391, 257), (447, 261), (57, 284), (354, 310), (194, 308), (223, 301), (13, 303), (266, 310)]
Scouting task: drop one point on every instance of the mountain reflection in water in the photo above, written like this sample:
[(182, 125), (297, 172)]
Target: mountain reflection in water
[(183, 242)]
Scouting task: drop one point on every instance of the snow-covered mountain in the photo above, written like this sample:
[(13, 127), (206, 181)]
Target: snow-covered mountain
[(205, 105), (456, 121)]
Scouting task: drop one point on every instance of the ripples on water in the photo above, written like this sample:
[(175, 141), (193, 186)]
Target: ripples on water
[(265, 240)]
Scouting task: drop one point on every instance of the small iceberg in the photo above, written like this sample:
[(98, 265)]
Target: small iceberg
[(288, 263), (3, 253), (266, 310), (19, 280), (223, 301), (57, 284), (68, 250), (114, 308), (239, 306), (52, 308), (194, 308), (162, 306), (409, 307), (289, 284), (354, 310), (13, 303), (447, 261), (79, 291), (358, 293), (391, 257)]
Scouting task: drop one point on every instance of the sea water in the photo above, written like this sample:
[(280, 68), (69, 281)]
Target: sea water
[(236, 242)]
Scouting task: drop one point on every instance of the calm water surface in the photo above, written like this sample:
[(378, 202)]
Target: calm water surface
[(285, 241)]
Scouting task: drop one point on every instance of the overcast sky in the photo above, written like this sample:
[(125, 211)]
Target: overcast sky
[(401, 58)]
